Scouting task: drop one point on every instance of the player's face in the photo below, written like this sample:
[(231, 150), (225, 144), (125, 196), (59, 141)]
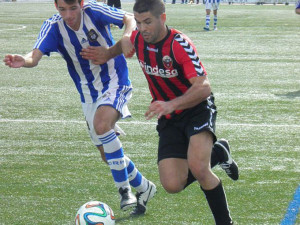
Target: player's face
[(152, 29), (71, 13)]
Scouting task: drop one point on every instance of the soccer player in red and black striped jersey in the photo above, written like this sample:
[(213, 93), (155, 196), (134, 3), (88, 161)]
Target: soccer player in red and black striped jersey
[(183, 103)]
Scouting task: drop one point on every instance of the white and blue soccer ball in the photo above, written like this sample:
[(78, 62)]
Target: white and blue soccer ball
[(95, 213)]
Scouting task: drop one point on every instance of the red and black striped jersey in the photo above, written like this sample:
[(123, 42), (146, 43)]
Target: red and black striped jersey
[(169, 64)]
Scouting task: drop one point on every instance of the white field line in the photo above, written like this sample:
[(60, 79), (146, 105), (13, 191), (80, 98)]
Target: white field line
[(21, 27), (143, 123)]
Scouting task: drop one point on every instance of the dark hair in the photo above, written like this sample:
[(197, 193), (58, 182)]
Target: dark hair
[(69, 1), (155, 7)]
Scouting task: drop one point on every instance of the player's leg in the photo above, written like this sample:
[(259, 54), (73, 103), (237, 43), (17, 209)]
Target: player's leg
[(118, 4), (222, 150), (99, 145), (104, 122), (110, 3), (174, 183), (173, 173), (207, 20), (118, 99), (145, 189), (89, 111), (101, 150), (172, 154), (220, 155), (199, 153), (207, 17), (215, 12)]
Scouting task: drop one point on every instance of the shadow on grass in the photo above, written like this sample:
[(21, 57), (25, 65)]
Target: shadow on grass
[(127, 218), (293, 94)]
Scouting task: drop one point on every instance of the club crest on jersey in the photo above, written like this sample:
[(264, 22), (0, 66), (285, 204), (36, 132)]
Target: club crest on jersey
[(92, 35), (167, 61)]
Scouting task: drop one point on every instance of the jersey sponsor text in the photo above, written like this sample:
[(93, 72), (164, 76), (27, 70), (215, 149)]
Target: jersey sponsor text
[(165, 73)]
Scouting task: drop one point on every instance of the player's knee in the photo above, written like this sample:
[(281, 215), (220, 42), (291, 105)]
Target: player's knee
[(172, 186), (101, 127), (201, 171)]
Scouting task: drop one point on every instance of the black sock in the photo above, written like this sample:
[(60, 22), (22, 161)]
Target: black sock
[(190, 179), (219, 152), (217, 202), (214, 158)]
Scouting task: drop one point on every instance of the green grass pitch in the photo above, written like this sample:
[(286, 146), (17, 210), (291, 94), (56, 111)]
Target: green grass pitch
[(49, 167)]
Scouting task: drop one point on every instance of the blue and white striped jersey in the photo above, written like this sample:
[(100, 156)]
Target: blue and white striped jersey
[(90, 80)]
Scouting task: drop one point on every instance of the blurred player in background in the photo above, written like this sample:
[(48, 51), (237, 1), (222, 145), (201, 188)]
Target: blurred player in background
[(183, 103), (297, 9), (114, 3), (104, 90), (211, 5)]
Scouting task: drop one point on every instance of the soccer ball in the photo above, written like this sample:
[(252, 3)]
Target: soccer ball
[(95, 213)]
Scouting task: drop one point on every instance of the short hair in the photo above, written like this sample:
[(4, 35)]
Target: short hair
[(69, 1), (155, 7)]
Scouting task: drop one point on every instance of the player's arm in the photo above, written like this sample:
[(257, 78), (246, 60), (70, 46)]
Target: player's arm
[(196, 94), (130, 25), (30, 60), (100, 55)]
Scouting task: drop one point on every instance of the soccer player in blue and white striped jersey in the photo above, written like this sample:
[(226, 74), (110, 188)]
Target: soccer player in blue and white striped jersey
[(104, 89), (211, 5)]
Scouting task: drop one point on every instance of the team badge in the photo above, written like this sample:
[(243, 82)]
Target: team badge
[(92, 35), (167, 61)]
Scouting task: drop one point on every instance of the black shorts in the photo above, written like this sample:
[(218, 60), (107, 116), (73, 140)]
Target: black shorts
[(114, 3), (175, 133)]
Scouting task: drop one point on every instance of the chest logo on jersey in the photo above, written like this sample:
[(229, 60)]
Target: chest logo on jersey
[(167, 61), (92, 35), (156, 71)]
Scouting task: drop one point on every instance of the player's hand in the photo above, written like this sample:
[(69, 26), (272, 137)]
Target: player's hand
[(98, 55), (159, 108), (127, 47), (14, 61)]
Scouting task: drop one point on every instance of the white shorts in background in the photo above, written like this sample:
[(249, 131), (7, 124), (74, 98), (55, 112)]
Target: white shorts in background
[(212, 5), (115, 97)]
